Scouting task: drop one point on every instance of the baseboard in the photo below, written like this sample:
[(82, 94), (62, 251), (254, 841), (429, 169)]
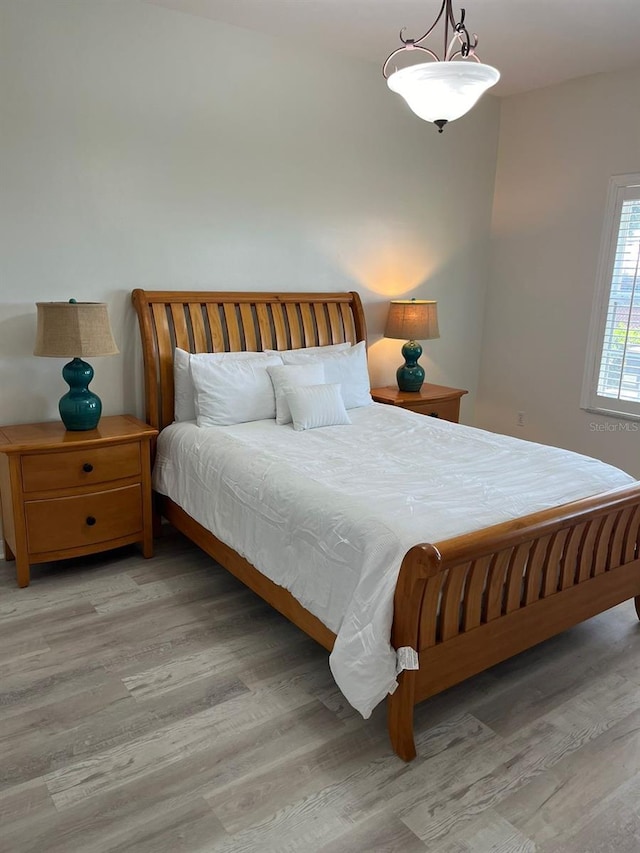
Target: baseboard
[(1, 549)]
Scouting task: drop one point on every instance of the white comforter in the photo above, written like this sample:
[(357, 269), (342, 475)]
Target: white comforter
[(329, 513)]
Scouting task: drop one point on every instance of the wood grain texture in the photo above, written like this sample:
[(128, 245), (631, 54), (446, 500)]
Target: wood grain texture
[(143, 715), (65, 494), (230, 321), (64, 523), (73, 468)]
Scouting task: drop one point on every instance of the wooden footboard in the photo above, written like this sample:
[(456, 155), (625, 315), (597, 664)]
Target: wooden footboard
[(470, 602)]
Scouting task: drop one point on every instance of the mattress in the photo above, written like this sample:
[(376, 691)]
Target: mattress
[(329, 513)]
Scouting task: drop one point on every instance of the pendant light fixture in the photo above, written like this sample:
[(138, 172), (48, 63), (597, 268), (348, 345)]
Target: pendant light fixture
[(441, 90)]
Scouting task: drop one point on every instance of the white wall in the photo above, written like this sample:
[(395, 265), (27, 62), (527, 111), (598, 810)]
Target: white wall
[(145, 148), (558, 148)]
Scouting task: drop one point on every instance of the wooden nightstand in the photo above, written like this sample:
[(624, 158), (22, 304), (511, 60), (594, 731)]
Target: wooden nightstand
[(435, 400), (65, 494)]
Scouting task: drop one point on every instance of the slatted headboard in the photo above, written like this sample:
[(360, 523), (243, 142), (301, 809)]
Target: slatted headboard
[(231, 322)]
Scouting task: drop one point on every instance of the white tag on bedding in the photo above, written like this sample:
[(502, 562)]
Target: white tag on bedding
[(406, 658)]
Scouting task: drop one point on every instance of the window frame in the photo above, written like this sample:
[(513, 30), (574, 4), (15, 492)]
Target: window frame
[(621, 188)]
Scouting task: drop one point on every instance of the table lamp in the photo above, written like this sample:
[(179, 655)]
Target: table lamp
[(75, 330), (412, 320)]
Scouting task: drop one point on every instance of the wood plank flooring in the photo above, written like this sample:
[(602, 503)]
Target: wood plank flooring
[(157, 705)]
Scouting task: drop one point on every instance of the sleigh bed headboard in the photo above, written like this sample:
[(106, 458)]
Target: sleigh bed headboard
[(231, 322)]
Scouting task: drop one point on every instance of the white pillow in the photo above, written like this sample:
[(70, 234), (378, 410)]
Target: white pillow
[(184, 406), (233, 392), (347, 367), (312, 350), (287, 376), (315, 406)]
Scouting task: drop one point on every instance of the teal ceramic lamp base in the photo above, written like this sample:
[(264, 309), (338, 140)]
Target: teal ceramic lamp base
[(411, 375), (80, 409)]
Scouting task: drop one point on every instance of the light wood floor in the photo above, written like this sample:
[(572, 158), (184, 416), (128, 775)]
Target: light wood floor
[(159, 706)]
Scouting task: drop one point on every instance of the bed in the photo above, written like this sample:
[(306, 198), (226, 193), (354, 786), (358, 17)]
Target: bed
[(462, 604)]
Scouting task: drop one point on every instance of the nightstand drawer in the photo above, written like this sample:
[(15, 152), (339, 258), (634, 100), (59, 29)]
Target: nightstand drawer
[(62, 523), (70, 468), (439, 401), (448, 410)]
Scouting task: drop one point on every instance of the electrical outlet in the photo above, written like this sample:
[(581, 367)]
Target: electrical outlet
[(520, 419)]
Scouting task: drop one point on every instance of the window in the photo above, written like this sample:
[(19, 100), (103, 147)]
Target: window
[(612, 373)]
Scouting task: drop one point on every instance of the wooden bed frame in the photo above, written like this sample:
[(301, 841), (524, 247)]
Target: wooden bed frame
[(464, 604)]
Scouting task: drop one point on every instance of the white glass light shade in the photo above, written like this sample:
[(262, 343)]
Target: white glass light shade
[(443, 91)]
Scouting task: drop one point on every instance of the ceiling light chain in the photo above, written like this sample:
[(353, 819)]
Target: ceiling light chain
[(463, 86)]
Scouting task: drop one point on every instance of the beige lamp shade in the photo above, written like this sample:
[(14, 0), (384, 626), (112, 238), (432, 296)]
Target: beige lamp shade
[(74, 330), (412, 320)]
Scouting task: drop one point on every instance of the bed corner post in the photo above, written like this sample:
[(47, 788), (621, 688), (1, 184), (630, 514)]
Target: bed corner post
[(400, 706), (142, 307), (419, 564)]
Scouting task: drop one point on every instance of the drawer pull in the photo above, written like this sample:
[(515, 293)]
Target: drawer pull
[(88, 467), (434, 415), (91, 520)]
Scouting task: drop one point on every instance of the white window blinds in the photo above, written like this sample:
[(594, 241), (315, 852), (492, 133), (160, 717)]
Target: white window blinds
[(612, 378)]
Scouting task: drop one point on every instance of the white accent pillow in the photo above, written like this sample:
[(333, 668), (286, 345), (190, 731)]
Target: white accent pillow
[(233, 391), (184, 405), (329, 348), (285, 377), (315, 406), (347, 367)]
